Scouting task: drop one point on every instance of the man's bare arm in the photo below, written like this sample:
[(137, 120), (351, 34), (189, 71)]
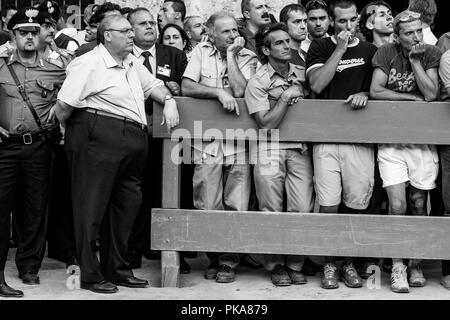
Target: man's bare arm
[(379, 91), (236, 78)]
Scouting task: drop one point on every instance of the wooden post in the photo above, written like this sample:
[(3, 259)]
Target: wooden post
[(170, 260)]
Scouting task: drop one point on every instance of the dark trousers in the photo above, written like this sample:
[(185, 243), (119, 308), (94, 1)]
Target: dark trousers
[(106, 159), (60, 234), (445, 169), (29, 167), (139, 241)]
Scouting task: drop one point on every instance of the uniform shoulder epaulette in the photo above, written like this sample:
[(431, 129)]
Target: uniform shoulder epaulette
[(56, 59), (6, 50)]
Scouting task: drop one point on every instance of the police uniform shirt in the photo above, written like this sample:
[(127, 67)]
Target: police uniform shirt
[(264, 90), (41, 81), (207, 67), (95, 80)]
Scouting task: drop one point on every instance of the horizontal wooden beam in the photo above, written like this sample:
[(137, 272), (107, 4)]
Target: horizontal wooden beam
[(319, 121), (301, 233)]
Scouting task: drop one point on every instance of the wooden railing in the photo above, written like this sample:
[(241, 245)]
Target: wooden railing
[(332, 121)]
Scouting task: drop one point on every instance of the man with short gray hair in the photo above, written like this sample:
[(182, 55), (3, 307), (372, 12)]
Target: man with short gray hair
[(106, 146)]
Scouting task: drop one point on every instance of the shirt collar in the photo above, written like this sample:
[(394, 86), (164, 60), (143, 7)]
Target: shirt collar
[(333, 38), (272, 71), (14, 57), (138, 51), (109, 60)]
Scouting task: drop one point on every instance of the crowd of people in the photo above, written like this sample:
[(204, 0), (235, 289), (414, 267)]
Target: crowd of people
[(80, 171)]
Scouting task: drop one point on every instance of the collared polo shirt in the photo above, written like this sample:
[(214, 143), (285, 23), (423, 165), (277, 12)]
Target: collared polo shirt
[(41, 81), (208, 68), (97, 81), (264, 90)]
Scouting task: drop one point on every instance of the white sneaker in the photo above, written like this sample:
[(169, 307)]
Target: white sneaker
[(416, 278), (399, 282)]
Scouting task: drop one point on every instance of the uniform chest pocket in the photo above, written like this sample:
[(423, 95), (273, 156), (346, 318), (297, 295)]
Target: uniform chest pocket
[(8, 89), (45, 89)]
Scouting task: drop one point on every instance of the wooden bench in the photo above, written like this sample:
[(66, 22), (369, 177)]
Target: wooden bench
[(174, 230)]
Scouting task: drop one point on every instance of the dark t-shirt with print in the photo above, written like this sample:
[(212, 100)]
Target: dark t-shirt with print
[(354, 73), (391, 60)]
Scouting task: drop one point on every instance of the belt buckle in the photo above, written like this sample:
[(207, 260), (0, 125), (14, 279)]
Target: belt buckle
[(27, 138)]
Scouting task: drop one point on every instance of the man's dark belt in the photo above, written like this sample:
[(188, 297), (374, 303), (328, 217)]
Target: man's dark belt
[(111, 115), (26, 138)]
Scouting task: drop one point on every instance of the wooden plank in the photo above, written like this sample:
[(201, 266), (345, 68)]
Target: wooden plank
[(321, 121), (171, 176), (301, 233), (170, 269)]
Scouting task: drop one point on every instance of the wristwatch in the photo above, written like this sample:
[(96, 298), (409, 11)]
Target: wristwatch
[(168, 97)]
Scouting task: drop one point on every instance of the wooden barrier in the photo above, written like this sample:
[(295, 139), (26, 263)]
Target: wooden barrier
[(332, 121)]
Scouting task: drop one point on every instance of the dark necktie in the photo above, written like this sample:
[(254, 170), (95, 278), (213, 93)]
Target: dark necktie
[(147, 64)]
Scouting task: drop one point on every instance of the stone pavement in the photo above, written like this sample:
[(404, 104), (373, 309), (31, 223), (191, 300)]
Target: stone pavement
[(249, 285)]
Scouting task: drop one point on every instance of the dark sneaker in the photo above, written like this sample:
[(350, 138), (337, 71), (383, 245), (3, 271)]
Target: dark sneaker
[(330, 277), (416, 278), (296, 276), (350, 276), (225, 274), (211, 271), (445, 282), (280, 277)]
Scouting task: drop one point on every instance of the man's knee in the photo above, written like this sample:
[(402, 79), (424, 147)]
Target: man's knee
[(397, 206)]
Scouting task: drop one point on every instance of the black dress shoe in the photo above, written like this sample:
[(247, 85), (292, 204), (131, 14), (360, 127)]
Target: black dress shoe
[(247, 261), (100, 287), (132, 282), (152, 255), (8, 292), (185, 268), (30, 278)]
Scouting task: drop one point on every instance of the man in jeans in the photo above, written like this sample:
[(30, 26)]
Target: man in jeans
[(407, 70), (219, 69), (288, 166)]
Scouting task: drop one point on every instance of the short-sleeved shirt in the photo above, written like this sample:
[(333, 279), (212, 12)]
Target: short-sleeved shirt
[(444, 72), (354, 73), (391, 60), (41, 81), (207, 67), (264, 90), (97, 81)]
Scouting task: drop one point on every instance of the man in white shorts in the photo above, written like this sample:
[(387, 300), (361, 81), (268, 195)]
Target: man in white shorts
[(407, 70)]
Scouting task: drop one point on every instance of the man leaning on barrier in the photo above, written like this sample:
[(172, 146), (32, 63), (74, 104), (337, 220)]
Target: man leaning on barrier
[(340, 67), (407, 70), (219, 69), (28, 88), (286, 168)]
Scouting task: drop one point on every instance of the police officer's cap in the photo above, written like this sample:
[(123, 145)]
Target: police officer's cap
[(27, 18)]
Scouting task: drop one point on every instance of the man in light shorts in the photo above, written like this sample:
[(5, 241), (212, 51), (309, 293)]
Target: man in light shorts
[(343, 172), (407, 70)]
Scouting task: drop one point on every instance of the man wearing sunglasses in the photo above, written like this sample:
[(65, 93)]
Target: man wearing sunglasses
[(28, 89), (407, 70), (343, 172)]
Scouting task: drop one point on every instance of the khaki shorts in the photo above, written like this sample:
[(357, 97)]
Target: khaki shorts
[(416, 163), (344, 172)]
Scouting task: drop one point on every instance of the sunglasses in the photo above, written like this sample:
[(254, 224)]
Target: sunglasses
[(407, 16), (316, 3)]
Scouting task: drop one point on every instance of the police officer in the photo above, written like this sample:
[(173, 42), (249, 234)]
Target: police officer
[(28, 84)]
